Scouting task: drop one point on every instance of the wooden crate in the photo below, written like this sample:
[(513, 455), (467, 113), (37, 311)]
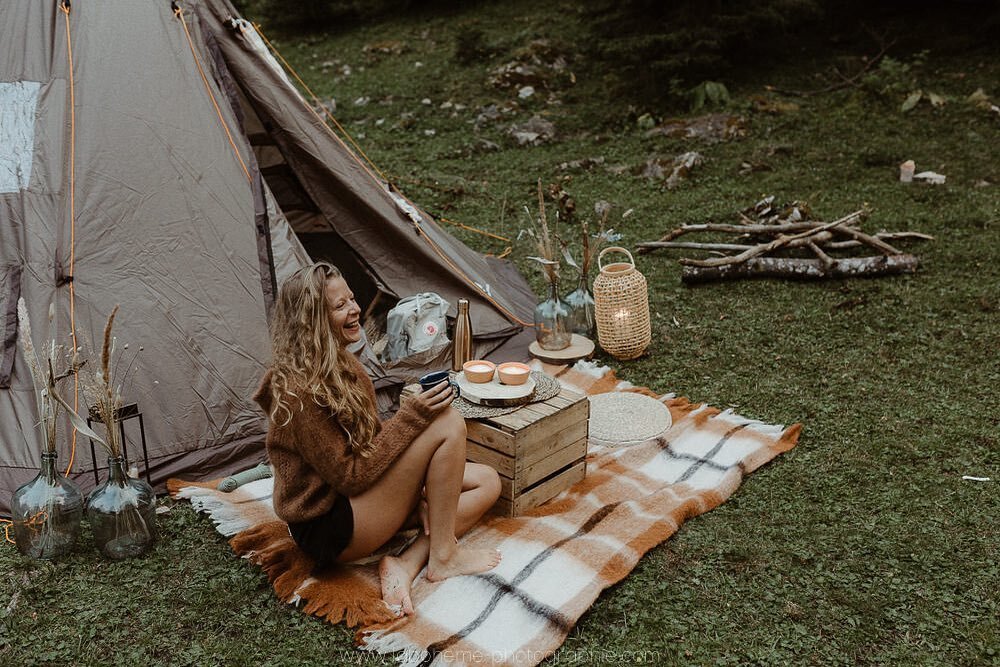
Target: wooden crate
[(539, 450)]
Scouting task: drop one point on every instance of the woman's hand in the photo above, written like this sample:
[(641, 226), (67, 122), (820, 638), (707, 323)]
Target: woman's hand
[(436, 399)]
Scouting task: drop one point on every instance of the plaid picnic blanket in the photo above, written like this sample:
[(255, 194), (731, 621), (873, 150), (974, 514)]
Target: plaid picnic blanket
[(556, 559)]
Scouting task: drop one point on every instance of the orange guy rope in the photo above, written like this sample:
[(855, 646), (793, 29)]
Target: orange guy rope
[(326, 112), (72, 223), (474, 229), (471, 282), (179, 13), (7, 525)]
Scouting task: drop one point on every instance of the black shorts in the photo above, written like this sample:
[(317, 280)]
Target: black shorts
[(325, 537)]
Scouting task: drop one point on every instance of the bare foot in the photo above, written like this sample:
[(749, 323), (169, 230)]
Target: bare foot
[(462, 561), (395, 585)]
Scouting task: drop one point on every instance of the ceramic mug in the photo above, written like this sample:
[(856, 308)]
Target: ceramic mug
[(437, 377)]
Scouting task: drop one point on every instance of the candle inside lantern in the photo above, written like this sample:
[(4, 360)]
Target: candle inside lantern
[(621, 317)]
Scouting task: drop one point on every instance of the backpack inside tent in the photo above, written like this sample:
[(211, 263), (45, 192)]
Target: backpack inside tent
[(154, 154)]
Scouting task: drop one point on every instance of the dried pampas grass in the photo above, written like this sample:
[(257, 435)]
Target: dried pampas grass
[(44, 375), (105, 386), (546, 241)]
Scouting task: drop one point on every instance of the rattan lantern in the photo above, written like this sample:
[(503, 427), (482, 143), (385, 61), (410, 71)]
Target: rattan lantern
[(622, 304)]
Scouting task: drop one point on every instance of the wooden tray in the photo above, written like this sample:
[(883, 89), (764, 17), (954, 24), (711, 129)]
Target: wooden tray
[(579, 348), (494, 394)]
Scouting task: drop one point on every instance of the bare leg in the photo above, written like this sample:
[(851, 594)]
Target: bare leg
[(480, 489), (444, 485), (435, 460)]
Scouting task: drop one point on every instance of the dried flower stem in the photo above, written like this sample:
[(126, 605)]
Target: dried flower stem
[(44, 379), (544, 241), (590, 244), (28, 346), (106, 348), (102, 389)]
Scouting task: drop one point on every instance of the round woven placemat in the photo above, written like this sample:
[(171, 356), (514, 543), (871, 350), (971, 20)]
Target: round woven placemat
[(621, 418), (546, 387)]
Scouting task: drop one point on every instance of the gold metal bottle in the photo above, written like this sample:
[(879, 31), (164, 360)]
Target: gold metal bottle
[(461, 344)]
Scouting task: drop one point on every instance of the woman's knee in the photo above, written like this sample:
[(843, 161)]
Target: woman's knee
[(446, 424), (484, 477), (450, 424), (455, 421)]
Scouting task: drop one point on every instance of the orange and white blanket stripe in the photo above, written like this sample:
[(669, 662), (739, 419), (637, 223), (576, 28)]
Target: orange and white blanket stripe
[(556, 560)]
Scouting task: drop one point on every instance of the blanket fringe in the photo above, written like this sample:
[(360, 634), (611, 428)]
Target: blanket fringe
[(752, 424), (592, 368), (229, 519), (174, 485), (339, 594), (346, 594), (384, 642)]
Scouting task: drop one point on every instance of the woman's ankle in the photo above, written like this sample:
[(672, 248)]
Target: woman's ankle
[(443, 552)]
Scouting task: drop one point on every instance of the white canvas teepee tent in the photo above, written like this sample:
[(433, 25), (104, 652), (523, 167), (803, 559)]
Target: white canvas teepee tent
[(154, 155)]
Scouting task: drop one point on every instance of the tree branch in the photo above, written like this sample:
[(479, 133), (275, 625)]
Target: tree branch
[(803, 269), (761, 248), (751, 228)]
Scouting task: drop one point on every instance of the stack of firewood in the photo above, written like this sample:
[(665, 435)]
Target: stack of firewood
[(785, 242)]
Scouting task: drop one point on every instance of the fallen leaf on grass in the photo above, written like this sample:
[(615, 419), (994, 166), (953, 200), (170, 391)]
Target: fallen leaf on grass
[(930, 177), (937, 101), (979, 98), (911, 100)]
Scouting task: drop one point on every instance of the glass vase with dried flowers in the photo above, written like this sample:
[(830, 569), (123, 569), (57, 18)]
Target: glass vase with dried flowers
[(46, 512), (122, 510), (580, 302), (551, 324)]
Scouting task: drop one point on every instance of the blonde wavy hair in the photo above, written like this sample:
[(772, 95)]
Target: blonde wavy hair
[(308, 360)]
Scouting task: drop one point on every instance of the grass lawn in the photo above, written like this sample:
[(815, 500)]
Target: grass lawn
[(863, 545)]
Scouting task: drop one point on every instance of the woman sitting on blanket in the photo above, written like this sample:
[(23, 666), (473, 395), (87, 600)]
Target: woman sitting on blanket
[(345, 482)]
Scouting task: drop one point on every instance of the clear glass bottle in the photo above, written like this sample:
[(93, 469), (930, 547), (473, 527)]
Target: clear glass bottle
[(580, 304), (46, 512), (551, 321), (122, 514), (461, 344)]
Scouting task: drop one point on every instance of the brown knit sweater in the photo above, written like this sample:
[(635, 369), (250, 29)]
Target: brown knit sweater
[(312, 457)]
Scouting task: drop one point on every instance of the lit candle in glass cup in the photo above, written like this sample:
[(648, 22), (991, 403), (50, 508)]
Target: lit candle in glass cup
[(620, 319)]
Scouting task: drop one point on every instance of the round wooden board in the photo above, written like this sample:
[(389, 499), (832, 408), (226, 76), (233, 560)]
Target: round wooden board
[(580, 347), (495, 394)]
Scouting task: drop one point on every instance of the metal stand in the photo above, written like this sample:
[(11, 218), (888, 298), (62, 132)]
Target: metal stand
[(123, 414)]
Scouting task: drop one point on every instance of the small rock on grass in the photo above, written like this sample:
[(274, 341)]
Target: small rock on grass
[(535, 131)]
